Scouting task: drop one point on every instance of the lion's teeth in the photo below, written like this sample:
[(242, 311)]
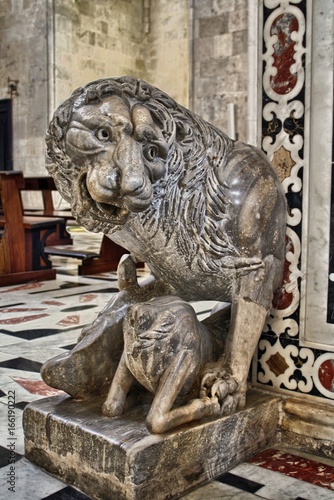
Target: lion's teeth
[(109, 209), (123, 211)]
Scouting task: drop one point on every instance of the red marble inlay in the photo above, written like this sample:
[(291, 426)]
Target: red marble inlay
[(53, 303), (88, 297), (297, 467), (283, 299), (73, 319), (28, 286), (21, 309), (284, 50), (22, 319), (37, 387), (326, 374)]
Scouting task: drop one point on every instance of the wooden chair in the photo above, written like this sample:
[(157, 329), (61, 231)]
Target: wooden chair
[(92, 263), (46, 186), (23, 237)]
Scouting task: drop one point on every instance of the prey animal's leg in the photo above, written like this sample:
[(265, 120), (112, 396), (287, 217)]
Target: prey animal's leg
[(115, 403), (87, 370), (161, 417)]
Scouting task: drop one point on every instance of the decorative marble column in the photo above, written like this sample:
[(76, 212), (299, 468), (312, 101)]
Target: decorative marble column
[(296, 352)]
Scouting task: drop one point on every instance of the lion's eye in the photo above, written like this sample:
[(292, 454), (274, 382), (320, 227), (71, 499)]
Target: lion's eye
[(150, 152), (103, 134)]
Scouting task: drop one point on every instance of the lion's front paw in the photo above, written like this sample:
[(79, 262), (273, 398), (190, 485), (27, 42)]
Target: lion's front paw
[(219, 384)]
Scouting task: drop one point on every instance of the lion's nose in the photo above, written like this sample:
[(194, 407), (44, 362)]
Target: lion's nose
[(112, 180), (131, 184), (103, 183), (128, 159)]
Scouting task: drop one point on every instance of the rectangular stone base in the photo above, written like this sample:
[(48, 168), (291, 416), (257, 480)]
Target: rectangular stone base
[(119, 458)]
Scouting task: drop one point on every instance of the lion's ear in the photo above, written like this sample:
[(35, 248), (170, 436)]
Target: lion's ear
[(143, 91), (182, 131), (184, 136)]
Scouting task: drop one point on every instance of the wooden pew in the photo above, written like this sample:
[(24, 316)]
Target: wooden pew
[(110, 253), (23, 237), (45, 185), (106, 260)]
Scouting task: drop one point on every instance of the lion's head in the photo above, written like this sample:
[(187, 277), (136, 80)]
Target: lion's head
[(109, 144), (124, 153)]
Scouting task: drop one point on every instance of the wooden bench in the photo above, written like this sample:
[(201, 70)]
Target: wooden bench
[(45, 185), (23, 237), (104, 261)]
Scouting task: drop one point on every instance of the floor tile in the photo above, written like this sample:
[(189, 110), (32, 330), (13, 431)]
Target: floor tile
[(67, 493), (219, 491), (5, 456), (296, 466), (30, 483), (40, 320), (22, 364), (240, 482), (279, 486)]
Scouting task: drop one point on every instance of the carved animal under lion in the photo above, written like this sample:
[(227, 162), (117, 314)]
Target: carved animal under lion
[(207, 214), (165, 349)]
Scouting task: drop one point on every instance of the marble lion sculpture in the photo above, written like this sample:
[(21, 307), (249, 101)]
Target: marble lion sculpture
[(207, 214)]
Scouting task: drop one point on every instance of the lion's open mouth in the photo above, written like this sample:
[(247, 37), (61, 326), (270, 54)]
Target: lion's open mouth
[(100, 216), (111, 213)]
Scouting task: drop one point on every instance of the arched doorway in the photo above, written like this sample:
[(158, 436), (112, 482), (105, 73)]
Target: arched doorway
[(6, 154)]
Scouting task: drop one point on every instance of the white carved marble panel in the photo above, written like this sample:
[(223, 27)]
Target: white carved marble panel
[(316, 331), (295, 354)]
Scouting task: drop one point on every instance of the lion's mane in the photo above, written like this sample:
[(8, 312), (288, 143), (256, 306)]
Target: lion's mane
[(189, 201)]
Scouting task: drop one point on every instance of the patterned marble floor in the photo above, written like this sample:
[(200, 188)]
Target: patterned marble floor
[(41, 320)]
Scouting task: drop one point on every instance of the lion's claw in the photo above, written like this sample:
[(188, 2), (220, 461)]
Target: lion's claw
[(223, 387), (212, 407), (219, 389), (112, 410)]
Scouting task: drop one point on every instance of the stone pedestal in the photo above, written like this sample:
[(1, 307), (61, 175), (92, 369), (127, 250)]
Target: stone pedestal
[(118, 458)]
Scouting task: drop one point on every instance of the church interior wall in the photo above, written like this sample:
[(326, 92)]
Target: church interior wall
[(23, 58), (195, 51), (220, 63)]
